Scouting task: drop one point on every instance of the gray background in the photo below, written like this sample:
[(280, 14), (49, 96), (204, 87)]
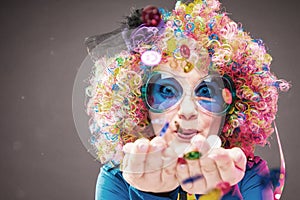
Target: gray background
[(42, 157)]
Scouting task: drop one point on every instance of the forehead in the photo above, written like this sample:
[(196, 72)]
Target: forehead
[(191, 77)]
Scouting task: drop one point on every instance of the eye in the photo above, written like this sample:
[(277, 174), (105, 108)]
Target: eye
[(213, 95), (167, 91), (205, 90), (162, 92)]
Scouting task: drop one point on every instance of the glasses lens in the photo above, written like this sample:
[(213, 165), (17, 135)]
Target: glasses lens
[(214, 94), (162, 91)]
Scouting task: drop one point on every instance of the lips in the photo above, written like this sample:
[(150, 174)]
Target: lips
[(186, 134)]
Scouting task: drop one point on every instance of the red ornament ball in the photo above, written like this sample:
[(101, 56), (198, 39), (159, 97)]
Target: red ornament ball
[(151, 16)]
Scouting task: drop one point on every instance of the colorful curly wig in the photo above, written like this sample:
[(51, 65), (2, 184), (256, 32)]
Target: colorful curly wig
[(116, 107)]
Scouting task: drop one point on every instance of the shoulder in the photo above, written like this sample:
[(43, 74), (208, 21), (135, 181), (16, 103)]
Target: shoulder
[(110, 175), (256, 182), (110, 181), (256, 167)]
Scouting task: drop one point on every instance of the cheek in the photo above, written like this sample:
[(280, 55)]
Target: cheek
[(158, 120), (212, 125)]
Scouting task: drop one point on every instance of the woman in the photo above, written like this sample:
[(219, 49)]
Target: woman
[(181, 110)]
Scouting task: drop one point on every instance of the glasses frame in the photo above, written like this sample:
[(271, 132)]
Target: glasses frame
[(226, 79)]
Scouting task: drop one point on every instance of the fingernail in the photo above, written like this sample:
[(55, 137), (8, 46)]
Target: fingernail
[(158, 146), (126, 148), (142, 147), (224, 187), (181, 161), (182, 166), (198, 140)]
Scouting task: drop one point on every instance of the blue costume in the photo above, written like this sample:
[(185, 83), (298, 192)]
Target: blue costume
[(254, 186)]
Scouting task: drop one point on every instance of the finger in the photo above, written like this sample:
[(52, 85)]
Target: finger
[(157, 144), (137, 156), (195, 181), (200, 143), (188, 168), (178, 146), (154, 166), (154, 160), (182, 173), (228, 171), (169, 157), (126, 149), (168, 176), (210, 172), (239, 158)]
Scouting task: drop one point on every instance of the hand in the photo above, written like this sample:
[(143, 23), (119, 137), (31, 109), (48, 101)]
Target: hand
[(150, 166), (216, 165)]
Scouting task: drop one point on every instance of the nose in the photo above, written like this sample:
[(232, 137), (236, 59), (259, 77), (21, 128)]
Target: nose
[(187, 109)]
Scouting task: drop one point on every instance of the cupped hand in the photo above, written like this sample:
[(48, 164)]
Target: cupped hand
[(150, 166), (198, 176)]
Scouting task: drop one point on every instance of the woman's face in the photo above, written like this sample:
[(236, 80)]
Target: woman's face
[(186, 118)]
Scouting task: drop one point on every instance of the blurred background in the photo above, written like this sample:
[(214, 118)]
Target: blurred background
[(42, 48)]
